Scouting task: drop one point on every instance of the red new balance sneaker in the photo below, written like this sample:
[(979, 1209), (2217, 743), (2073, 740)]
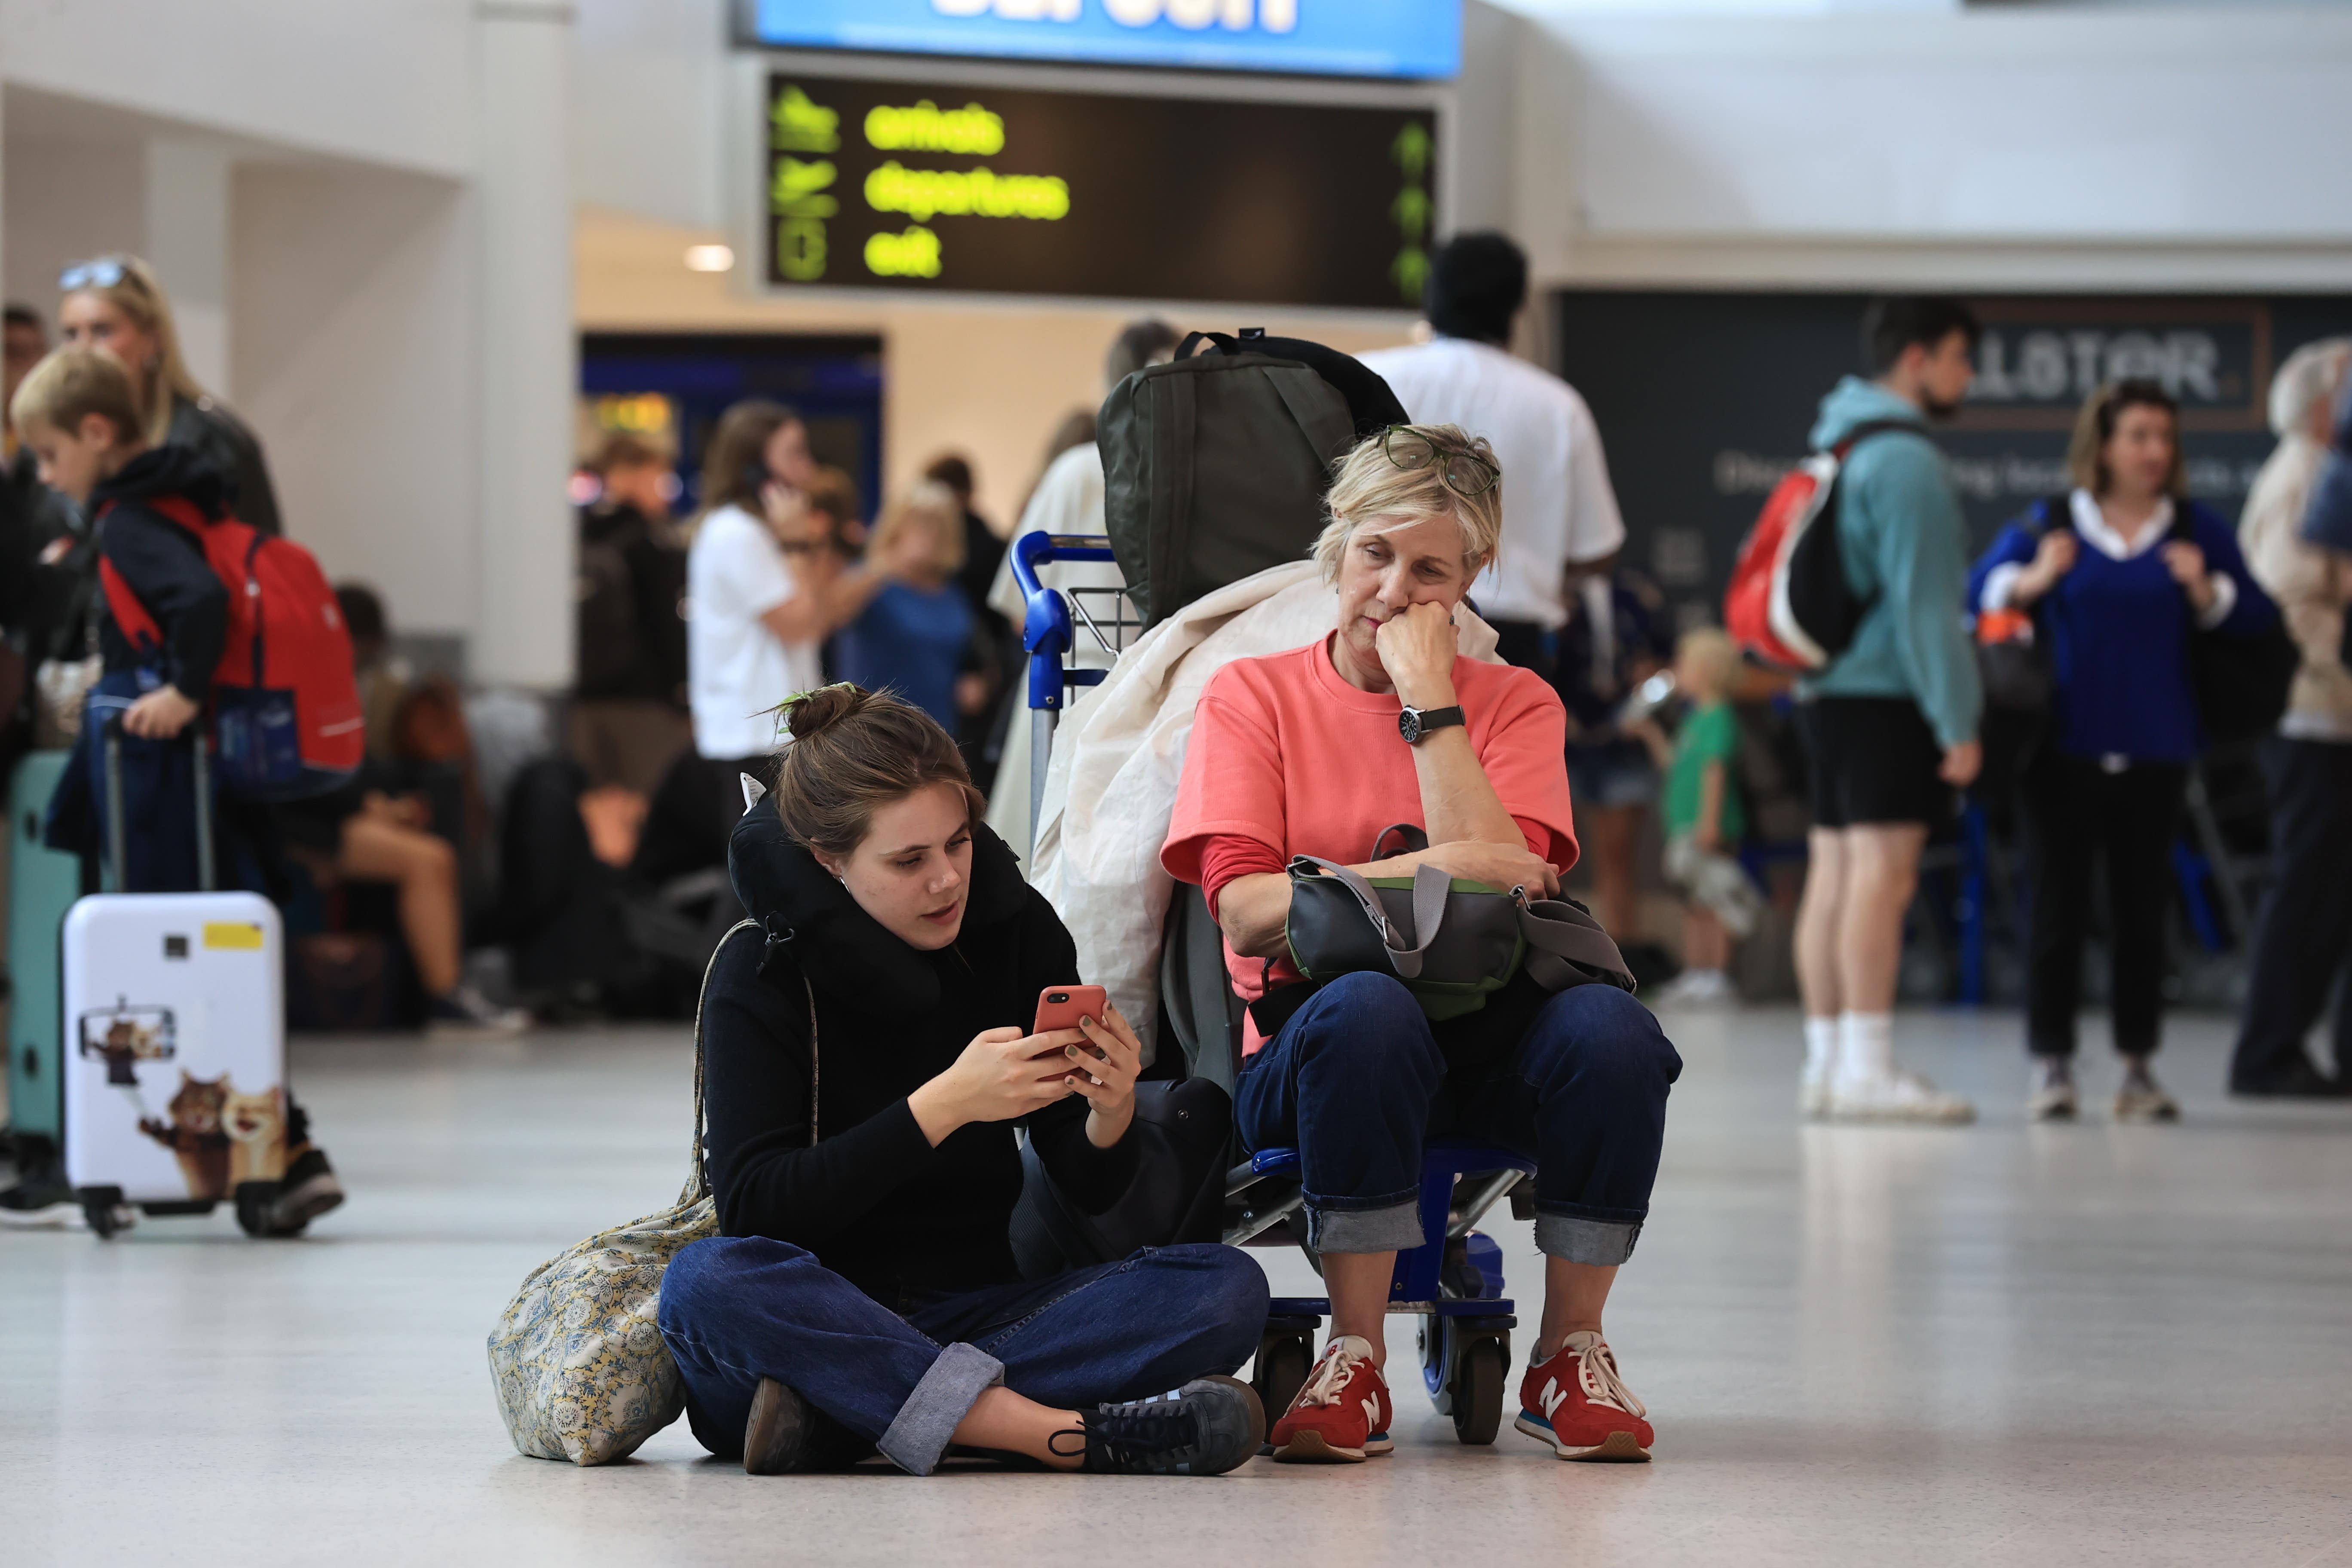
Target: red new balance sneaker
[(1577, 1402), (1341, 1415)]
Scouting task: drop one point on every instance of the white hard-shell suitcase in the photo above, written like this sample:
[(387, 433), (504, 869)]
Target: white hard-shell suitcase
[(174, 1049)]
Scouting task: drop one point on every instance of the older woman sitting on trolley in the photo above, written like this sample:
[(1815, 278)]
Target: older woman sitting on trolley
[(1315, 752)]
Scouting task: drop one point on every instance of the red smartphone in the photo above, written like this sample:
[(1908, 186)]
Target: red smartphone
[(1061, 1006)]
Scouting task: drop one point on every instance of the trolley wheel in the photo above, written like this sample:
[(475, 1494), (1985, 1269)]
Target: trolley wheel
[(1284, 1356), (254, 1201), (1433, 1339), (1477, 1389)]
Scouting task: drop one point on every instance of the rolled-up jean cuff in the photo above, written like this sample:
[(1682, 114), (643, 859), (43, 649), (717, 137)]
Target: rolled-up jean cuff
[(1572, 1239), (1394, 1229), (919, 1433)]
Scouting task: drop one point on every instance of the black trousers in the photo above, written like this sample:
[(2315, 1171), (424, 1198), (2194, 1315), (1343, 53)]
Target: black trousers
[(2076, 813), (2306, 931), (1524, 644)]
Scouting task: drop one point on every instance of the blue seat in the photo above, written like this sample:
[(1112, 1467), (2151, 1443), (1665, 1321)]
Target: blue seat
[(1453, 1283)]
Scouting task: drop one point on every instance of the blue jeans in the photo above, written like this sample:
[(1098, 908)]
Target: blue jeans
[(737, 1309), (1355, 1080)]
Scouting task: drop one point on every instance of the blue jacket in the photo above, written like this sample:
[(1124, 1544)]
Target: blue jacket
[(2330, 521), (2118, 637), (1905, 545)]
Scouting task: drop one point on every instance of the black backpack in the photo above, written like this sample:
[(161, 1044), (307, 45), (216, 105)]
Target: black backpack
[(1215, 464)]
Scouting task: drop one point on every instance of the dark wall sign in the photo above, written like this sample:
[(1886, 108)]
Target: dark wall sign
[(907, 186), (1705, 400)]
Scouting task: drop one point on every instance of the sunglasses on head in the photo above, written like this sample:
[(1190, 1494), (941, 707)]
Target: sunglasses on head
[(1463, 473), (106, 272)]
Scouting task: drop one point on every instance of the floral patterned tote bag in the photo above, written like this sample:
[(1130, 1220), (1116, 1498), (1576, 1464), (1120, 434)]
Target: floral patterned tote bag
[(577, 1361)]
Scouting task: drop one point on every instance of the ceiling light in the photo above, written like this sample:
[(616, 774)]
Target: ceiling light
[(708, 257)]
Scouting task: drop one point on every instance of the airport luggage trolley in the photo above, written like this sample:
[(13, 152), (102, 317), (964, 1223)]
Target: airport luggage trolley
[(1453, 1285)]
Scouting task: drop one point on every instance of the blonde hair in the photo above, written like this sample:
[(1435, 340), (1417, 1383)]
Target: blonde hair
[(1371, 494), (1715, 655), (930, 503), (140, 296), (68, 387)]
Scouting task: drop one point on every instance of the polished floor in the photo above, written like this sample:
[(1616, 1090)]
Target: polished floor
[(2079, 1344)]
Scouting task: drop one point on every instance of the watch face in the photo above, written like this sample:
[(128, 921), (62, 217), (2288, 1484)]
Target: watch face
[(1409, 725)]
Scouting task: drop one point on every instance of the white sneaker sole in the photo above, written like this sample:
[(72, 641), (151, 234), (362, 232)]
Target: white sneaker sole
[(54, 1216), (1618, 1448), (1309, 1448)]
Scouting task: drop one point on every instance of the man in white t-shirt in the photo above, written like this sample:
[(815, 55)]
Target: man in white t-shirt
[(1557, 507)]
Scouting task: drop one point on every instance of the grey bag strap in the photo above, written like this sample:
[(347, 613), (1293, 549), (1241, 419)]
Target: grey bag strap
[(1430, 887), (1558, 934)]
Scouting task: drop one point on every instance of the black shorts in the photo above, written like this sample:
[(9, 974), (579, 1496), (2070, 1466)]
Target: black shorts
[(1874, 760)]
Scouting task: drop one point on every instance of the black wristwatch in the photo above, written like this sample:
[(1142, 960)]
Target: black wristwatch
[(1413, 723)]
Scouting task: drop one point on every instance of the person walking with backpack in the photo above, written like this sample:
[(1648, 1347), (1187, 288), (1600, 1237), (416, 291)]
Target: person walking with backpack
[(2120, 574), (1890, 723), (79, 412), (1561, 511)]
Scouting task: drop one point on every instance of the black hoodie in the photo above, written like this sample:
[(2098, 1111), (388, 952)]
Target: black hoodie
[(164, 566), (872, 1199)]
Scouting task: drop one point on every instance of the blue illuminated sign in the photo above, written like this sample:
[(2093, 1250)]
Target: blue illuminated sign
[(1414, 39)]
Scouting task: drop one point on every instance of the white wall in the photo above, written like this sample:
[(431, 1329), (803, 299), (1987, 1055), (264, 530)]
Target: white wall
[(1998, 148), (384, 81), (68, 201), (352, 305), (369, 257)]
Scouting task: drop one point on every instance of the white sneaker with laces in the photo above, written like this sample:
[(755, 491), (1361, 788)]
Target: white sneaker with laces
[(1813, 1092), (1898, 1096), (1699, 988)]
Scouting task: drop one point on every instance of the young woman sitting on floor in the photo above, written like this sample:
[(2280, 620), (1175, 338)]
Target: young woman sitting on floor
[(865, 1067)]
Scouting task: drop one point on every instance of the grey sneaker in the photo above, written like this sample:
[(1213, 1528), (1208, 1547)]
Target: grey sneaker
[(1210, 1426), (2141, 1098), (778, 1435), (2054, 1097), (466, 1013)]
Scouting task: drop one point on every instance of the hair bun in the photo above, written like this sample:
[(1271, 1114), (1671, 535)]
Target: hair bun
[(814, 712)]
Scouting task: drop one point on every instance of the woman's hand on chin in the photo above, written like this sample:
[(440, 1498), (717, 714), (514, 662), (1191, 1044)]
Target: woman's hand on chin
[(1103, 1070), (1003, 1074)]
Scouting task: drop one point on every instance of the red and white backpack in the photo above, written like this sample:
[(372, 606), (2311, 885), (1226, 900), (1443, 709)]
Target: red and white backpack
[(1789, 603), (285, 707)]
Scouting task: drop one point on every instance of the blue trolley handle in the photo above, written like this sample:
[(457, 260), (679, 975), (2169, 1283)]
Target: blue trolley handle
[(1046, 634)]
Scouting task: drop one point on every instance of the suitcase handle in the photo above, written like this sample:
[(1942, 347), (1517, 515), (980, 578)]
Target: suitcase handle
[(117, 845)]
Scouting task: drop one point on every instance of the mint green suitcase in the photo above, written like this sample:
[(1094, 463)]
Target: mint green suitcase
[(42, 884)]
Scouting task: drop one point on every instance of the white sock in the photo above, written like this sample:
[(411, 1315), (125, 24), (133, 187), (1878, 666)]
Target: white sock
[(1866, 1047), (1821, 1047)]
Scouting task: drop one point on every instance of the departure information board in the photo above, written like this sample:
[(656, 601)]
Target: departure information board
[(957, 189)]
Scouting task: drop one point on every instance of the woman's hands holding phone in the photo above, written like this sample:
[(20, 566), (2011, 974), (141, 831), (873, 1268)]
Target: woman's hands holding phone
[(1105, 1068), (1003, 1074)]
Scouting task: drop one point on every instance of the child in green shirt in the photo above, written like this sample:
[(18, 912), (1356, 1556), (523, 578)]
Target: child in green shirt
[(1704, 818)]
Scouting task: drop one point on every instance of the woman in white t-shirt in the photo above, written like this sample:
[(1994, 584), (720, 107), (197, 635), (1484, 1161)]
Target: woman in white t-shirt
[(765, 587)]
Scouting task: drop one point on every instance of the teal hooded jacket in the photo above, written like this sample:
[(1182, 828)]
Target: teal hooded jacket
[(1906, 549)]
